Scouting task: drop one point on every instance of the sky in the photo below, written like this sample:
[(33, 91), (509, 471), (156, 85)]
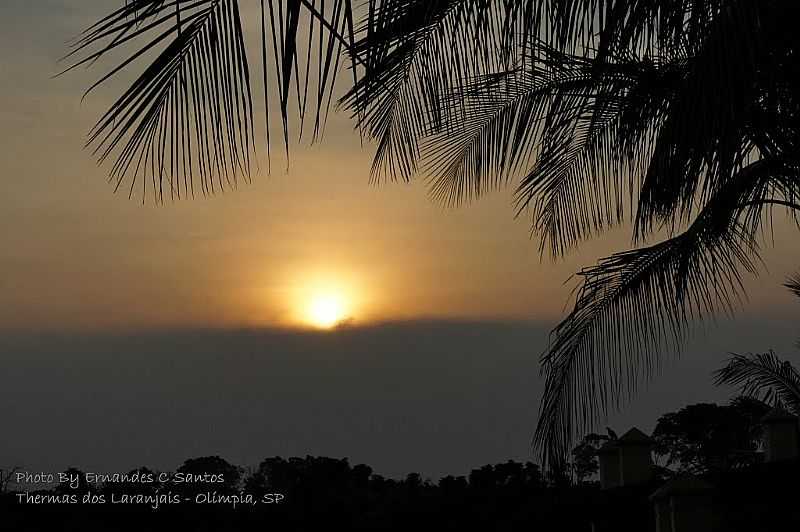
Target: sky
[(190, 324)]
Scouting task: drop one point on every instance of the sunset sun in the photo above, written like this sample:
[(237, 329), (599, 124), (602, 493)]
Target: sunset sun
[(325, 298), (326, 310)]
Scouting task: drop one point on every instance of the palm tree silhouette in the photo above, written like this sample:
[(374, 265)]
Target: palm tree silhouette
[(680, 117), (765, 376)]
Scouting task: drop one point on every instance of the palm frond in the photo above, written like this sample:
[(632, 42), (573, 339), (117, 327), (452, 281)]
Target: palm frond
[(596, 143), (645, 25), (190, 111), (189, 115), (581, 121), (498, 130), (418, 99), (634, 304), (794, 285), (705, 136), (764, 377), (403, 44)]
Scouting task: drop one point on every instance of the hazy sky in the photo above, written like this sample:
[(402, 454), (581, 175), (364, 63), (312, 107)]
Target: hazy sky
[(74, 255), (77, 259)]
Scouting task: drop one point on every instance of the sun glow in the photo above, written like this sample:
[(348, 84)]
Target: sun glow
[(326, 311), (325, 299)]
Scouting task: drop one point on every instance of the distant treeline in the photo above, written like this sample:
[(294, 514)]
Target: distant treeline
[(318, 493), (311, 493)]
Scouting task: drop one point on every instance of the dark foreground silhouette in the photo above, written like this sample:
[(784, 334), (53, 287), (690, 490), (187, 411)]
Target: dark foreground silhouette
[(311, 493), (316, 493), (716, 454)]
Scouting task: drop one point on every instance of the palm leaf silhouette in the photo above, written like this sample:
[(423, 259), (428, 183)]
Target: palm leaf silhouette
[(189, 115), (794, 285), (765, 376), (634, 306)]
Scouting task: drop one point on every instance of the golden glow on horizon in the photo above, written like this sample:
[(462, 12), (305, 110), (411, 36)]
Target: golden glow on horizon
[(326, 297), (326, 311)]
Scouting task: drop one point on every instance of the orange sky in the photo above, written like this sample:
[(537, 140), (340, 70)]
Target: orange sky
[(75, 256)]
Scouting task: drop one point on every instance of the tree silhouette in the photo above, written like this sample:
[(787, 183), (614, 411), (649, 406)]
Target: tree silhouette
[(584, 456), (680, 117), (704, 437)]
